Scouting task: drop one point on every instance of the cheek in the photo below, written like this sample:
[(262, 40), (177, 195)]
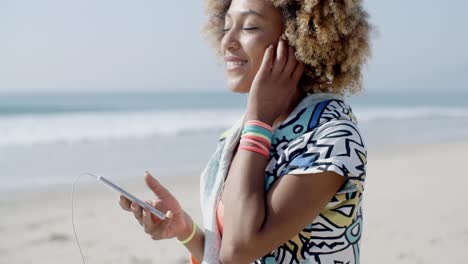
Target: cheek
[(255, 48)]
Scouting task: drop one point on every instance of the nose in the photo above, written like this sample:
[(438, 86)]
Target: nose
[(230, 40)]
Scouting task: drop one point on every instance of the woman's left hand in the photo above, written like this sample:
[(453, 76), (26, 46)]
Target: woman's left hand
[(275, 84)]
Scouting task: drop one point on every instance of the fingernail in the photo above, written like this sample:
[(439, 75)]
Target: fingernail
[(169, 214), (283, 36)]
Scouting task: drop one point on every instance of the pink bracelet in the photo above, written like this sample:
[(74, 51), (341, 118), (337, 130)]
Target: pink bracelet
[(248, 140), (256, 138), (260, 124), (255, 149)]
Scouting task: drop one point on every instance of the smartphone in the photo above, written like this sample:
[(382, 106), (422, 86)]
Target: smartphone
[(129, 196)]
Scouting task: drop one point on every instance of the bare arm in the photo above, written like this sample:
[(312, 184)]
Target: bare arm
[(268, 222), (196, 246)]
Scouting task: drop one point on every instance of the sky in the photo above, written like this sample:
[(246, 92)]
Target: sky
[(141, 45)]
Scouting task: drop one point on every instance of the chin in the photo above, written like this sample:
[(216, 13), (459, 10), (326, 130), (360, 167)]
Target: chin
[(239, 90), (239, 87)]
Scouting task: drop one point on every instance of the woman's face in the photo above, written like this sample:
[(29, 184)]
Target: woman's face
[(250, 27)]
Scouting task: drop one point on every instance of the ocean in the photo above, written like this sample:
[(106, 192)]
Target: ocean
[(51, 138)]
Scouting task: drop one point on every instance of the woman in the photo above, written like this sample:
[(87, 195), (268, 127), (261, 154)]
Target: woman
[(286, 181)]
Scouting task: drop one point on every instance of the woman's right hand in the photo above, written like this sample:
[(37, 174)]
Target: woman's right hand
[(275, 86), (177, 222)]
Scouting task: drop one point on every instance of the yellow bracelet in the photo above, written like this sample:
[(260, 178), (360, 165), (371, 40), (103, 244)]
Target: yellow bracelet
[(192, 235)]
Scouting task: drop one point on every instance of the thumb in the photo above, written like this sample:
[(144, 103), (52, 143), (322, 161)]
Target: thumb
[(155, 186)]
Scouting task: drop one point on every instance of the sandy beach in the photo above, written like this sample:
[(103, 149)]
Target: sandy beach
[(414, 213)]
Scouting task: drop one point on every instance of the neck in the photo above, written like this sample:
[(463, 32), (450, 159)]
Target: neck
[(297, 98)]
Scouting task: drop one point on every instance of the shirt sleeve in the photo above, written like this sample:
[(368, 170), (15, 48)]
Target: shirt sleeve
[(333, 146)]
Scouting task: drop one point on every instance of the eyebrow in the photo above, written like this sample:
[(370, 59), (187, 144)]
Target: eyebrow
[(249, 12)]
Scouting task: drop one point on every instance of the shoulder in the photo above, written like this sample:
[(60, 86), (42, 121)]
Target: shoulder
[(322, 136), (329, 111), (312, 113)]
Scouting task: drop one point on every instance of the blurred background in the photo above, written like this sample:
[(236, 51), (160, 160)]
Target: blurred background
[(118, 87), (85, 85)]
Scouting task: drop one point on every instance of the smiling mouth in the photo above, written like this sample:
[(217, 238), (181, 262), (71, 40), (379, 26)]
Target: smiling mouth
[(234, 65)]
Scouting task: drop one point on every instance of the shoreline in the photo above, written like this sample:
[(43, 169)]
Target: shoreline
[(193, 167)]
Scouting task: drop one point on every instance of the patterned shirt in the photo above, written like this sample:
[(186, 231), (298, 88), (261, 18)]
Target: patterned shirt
[(321, 134)]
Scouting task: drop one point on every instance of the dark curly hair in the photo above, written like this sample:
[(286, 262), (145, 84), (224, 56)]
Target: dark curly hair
[(331, 38)]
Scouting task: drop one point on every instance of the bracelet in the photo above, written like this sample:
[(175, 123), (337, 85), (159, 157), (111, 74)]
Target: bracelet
[(265, 139), (255, 149), (257, 138), (257, 130), (192, 235), (261, 124), (256, 143)]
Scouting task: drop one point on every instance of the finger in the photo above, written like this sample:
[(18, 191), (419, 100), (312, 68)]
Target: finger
[(152, 220), (137, 211), (143, 217), (124, 203), (298, 71), (281, 57), (267, 61), (291, 63), (147, 221), (155, 186)]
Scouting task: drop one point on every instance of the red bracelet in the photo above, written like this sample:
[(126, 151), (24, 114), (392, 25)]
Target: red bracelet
[(255, 142), (257, 138), (255, 149)]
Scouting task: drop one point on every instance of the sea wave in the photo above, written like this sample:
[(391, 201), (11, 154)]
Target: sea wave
[(85, 127), (369, 114), (101, 126)]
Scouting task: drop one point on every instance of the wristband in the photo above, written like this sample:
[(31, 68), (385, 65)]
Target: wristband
[(255, 149), (261, 124), (192, 235), (257, 138), (256, 143), (257, 130)]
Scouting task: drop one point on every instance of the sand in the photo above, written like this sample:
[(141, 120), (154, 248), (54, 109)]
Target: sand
[(415, 212)]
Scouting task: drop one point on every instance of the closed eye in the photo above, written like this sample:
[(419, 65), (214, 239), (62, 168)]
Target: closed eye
[(250, 28), (247, 28)]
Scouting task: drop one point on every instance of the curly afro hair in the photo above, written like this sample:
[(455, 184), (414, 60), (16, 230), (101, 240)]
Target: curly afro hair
[(331, 38)]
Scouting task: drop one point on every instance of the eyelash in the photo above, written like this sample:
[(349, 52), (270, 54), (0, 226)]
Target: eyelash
[(250, 28)]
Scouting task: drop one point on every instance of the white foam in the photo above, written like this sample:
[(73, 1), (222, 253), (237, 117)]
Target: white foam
[(79, 127), (103, 126), (368, 114)]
